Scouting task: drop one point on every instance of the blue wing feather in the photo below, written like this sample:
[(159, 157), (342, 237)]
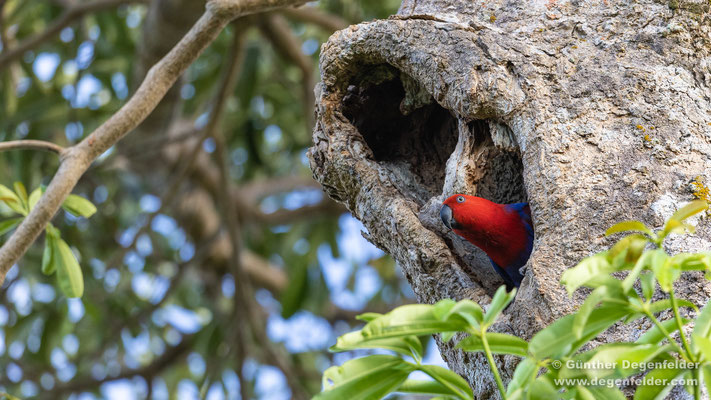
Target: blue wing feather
[(511, 273)]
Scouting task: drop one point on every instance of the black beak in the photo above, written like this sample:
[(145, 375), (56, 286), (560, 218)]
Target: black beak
[(446, 214)]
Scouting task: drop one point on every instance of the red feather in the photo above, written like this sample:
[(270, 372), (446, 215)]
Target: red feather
[(503, 231)]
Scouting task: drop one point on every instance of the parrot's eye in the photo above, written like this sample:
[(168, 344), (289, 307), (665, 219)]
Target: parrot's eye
[(460, 199)]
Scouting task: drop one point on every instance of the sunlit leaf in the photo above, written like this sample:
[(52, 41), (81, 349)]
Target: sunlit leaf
[(448, 378), (499, 343), (558, 339), (34, 197), (412, 319), (629, 226), (69, 275), (10, 198), (407, 345), (648, 390), (79, 206), (689, 210), (525, 372), (498, 303), (647, 282), (22, 195), (655, 335), (365, 378), (589, 269), (423, 387)]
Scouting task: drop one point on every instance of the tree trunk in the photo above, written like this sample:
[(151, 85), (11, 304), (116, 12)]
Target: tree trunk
[(592, 111)]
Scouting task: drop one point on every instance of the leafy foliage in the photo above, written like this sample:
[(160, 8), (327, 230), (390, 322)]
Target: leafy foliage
[(552, 364), (57, 256)]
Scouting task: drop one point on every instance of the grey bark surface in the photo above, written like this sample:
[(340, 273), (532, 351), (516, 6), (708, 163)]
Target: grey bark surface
[(547, 102)]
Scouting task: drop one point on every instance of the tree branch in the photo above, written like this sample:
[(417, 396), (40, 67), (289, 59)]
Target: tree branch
[(276, 29), (70, 15), (159, 79), (32, 145), (312, 15)]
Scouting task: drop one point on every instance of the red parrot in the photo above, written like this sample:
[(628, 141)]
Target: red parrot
[(503, 231)]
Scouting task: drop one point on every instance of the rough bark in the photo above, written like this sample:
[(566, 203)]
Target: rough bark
[(593, 111)]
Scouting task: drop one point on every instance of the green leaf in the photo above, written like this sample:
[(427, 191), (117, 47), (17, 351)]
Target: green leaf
[(647, 281), (706, 372), (448, 378), (690, 209), (606, 392), (587, 270), (407, 345), (582, 393), (468, 310), (34, 197), (648, 391), (654, 335), (665, 304), (525, 372), (365, 378), (79, 206), (543, 389), (702, 345), (423, 387), (702, 326), (604, 361), (649, 258), (49, 262), (9, 224), (498, 303), (558, 339), (10, 198), (630, 226), (412, 319), (22, 195), (675, 223), (626, 251), (581, 316), (665, 272), (499, 343), (639, 355), (69, 273), (692, 261), (369, 316)]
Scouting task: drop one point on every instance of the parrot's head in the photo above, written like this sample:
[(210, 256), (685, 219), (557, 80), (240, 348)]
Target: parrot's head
[(460, 211)]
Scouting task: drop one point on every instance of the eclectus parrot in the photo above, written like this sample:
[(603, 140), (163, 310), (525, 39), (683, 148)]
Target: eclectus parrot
[(503, 231)]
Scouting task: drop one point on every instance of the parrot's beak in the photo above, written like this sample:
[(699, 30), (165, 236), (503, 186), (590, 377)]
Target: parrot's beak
[(446, 214)]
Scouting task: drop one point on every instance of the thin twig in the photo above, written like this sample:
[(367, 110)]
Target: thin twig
[(156, 84), (69, 15), (31, 145), (276, 28)]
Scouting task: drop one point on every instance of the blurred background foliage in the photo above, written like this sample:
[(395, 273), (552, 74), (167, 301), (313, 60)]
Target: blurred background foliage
[(157, 319)]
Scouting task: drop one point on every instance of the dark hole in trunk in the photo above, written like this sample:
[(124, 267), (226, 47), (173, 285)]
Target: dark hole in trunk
[(499, 170), (408, 132)]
